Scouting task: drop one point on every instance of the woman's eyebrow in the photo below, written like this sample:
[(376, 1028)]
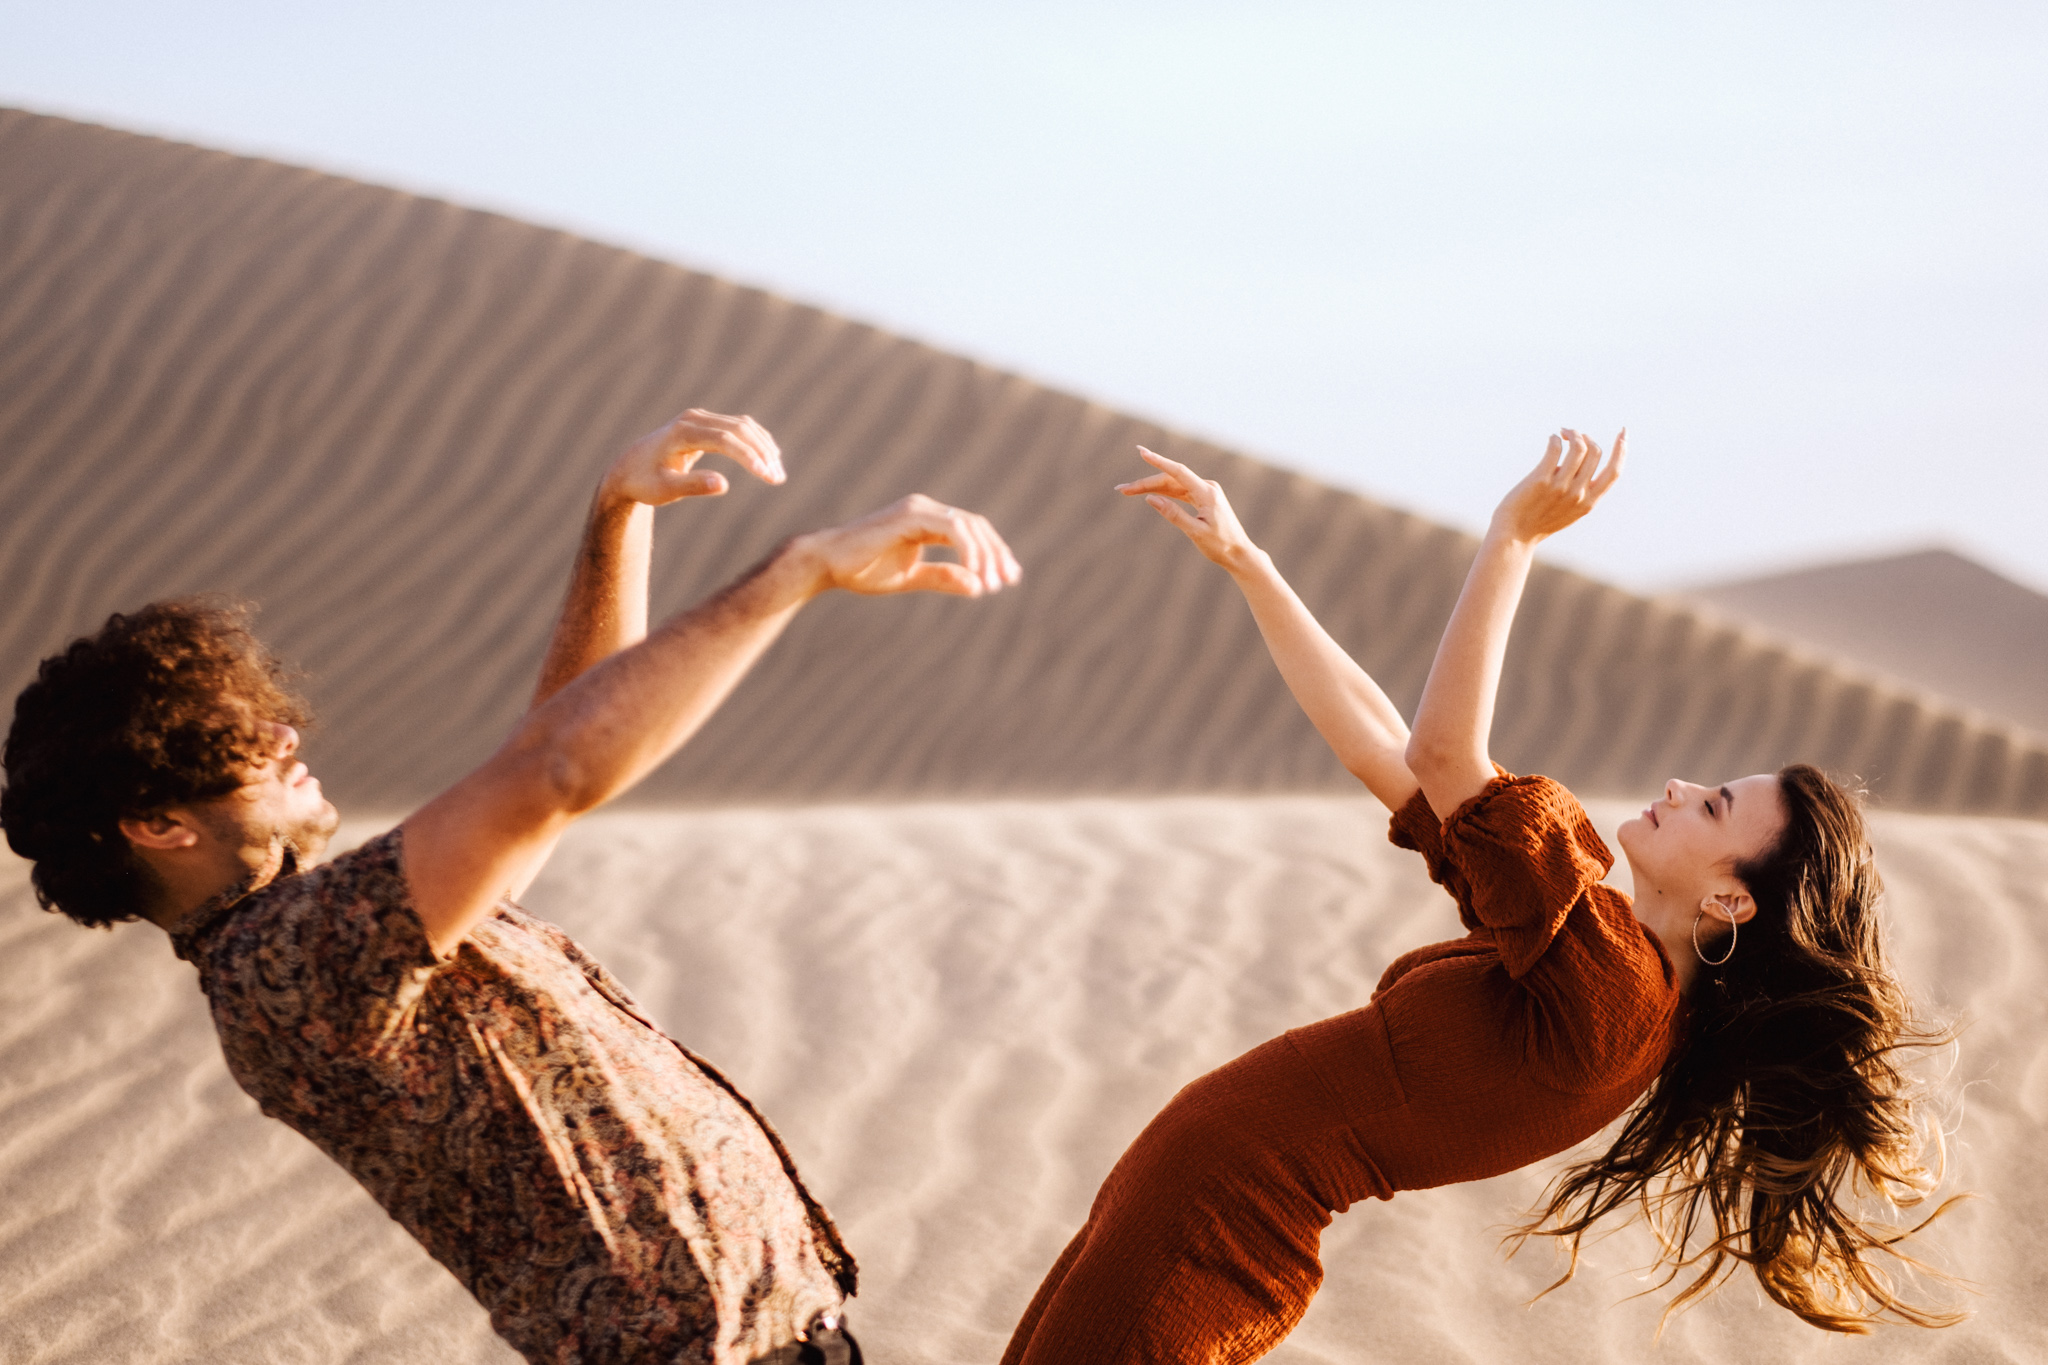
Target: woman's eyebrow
[(1729, 797)]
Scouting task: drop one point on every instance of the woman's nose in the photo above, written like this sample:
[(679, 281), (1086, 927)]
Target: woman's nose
[(287, 739)]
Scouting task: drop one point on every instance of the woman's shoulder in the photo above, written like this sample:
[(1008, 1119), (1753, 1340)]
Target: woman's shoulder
[(1522, 826)]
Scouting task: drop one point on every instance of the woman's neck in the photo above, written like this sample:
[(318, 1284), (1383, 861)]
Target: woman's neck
[(1670, 923)]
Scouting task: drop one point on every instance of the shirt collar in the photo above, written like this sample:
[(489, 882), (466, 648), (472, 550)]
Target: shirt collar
[(188, 937)]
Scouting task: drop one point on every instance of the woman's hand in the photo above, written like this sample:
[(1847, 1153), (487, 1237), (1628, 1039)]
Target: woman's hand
[(1562, 487), (659, 468), (1197, 507)]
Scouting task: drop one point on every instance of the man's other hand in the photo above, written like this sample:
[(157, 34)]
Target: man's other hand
[(659, 468), (883, 552)]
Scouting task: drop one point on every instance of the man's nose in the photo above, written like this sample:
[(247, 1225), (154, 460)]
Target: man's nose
[(287, 740)]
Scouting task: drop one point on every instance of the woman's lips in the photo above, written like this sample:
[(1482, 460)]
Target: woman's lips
[(1650, 814)]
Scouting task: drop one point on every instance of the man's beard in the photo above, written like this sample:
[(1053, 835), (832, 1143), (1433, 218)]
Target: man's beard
[(304, 839), (308, 839)]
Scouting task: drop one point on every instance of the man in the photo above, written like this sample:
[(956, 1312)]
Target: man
[(606, 1194)]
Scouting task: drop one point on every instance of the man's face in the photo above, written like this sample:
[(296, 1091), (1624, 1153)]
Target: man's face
[(279, 800)]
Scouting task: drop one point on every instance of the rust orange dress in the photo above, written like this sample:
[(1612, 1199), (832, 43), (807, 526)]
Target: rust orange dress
[(1474, 1057)]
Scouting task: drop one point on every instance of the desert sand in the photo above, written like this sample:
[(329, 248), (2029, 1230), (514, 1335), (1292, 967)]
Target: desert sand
[(959, 892), (957, 1015)]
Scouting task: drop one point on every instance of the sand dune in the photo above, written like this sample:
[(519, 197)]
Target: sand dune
[(380, 416), (957, 1015), (1933, 618)]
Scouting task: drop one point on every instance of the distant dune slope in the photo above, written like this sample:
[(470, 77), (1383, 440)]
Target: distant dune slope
[(1933, 619), (380, 416)]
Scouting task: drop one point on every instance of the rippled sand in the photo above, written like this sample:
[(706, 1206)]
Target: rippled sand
[(958, 1016)]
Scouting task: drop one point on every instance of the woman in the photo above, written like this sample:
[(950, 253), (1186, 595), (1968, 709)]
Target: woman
[(1745, 989)]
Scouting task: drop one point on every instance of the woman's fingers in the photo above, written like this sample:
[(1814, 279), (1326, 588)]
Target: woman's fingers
[(1613, 470), (1178, 514), (1568, 464), (1168, 484), (1589, 465), (1194, 483)]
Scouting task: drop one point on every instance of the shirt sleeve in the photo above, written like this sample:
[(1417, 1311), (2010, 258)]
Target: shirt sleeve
[(329, 969), (1517, 857)]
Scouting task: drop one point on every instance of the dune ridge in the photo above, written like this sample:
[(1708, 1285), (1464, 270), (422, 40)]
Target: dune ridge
[(1938, 620), (380, 417)]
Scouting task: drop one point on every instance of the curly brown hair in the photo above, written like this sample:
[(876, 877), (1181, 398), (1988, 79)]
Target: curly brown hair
[(164, 706), (1787, 1098)]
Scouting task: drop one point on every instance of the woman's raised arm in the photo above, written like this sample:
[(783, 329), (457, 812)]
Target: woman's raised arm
[(1448, 751), (1346, 706)]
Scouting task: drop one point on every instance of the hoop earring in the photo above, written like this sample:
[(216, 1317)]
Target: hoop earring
[(1734, 928)]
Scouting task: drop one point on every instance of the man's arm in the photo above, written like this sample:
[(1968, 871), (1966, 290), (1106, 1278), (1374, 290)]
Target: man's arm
[(606, 607), (612, 725)]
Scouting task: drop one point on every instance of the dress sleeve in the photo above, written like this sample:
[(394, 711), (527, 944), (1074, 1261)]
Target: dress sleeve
[(1517, 857)]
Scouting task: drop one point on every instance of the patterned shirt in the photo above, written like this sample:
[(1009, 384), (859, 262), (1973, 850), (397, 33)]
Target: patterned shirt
[(603, 1191)]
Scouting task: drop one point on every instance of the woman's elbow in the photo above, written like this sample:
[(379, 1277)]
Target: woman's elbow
[(1426, 756)]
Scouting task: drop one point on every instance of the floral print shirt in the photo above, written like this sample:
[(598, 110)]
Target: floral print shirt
[(605, 1193)]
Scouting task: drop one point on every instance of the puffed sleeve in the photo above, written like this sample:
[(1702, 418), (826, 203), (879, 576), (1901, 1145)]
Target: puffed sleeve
[(1517, 857)]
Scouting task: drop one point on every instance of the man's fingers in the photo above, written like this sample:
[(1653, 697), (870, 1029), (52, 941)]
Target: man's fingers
[(972, 549), (700, 483), (1000, 567), (935, 575), (985, 560), (771, 453), (740, 439)]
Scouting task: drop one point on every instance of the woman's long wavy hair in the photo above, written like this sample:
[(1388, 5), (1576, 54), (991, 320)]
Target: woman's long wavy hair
[(1787, 1099)]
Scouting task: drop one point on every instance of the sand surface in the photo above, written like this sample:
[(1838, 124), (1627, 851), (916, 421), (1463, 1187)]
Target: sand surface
[(958, 1015)]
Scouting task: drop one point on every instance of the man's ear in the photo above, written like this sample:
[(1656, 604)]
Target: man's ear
[(1731, 907), (164, 831)]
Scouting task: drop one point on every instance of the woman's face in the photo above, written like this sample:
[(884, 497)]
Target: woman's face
[(1693, 837)]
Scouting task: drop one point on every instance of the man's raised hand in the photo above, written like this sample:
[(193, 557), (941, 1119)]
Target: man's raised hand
[(659, 468), (883, 552)]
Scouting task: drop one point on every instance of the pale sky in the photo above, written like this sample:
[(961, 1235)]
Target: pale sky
[(1797, 247)]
